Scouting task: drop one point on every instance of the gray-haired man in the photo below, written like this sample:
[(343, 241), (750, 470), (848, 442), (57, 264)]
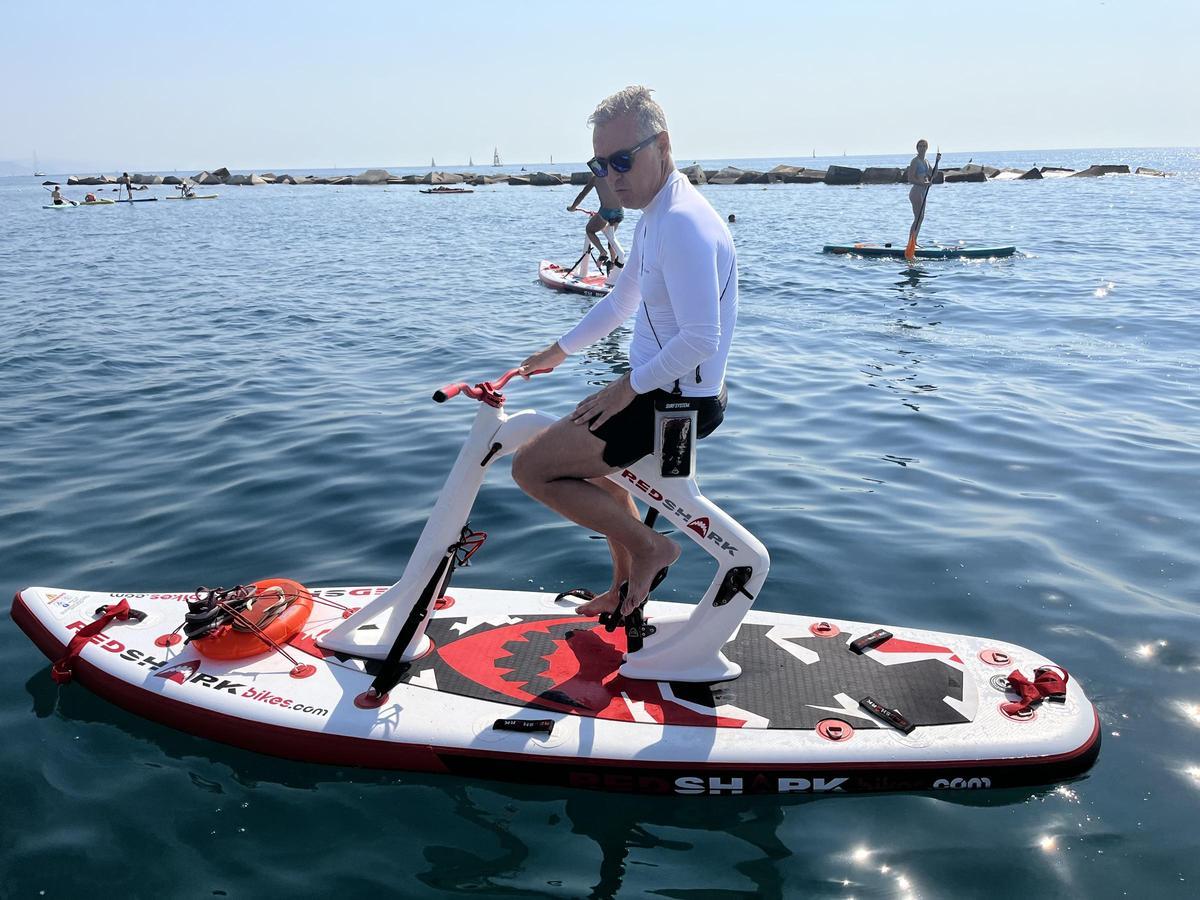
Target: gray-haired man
[(681, 278)]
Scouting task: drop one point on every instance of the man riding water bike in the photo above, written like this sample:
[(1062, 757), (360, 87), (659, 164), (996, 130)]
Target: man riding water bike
[(681, 278)]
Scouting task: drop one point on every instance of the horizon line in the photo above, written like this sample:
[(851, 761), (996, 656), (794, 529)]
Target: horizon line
[(679, 160)]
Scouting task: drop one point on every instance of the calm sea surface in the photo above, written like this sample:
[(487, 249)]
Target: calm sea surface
[(216, 392)]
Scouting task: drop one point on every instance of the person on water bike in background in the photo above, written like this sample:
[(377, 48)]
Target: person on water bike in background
[(918, 174), (681, 278), (611, 213)]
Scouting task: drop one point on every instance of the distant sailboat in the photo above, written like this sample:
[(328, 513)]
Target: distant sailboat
[(495, 157), (470, 160), (36, 173), (551, 159), (432, 163)]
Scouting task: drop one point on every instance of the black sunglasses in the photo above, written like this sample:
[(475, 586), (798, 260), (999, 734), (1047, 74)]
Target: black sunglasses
[(621, 161)]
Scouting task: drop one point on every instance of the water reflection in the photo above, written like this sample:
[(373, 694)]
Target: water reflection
[(481, 837), (912, 278)]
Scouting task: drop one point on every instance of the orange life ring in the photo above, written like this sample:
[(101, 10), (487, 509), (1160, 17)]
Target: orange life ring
[(230, 643)]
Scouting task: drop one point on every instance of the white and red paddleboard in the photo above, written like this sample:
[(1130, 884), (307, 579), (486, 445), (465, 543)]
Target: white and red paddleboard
[(517, 687), (560, 278)]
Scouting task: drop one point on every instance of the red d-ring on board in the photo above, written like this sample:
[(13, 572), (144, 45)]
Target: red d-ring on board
[(995, 657), (835, 730), (824, 629), (1016, 713), (167, 640), (444, 602), (369, 700), (229, 643)]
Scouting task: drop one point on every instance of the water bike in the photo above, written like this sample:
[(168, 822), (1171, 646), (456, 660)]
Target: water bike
[(576, 278), (702, 698)]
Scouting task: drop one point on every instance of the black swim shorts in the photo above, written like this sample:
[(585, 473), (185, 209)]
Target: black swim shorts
[(629, 435)]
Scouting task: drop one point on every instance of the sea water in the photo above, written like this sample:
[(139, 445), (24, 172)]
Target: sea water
[(207, 393)]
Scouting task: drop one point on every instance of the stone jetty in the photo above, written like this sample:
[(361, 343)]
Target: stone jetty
[(834, 175)]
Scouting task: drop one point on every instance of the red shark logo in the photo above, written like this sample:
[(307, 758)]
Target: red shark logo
[(576, 674), (180, 672), (699, 525)]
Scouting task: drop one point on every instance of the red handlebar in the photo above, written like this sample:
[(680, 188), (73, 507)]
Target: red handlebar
[(487, 391)]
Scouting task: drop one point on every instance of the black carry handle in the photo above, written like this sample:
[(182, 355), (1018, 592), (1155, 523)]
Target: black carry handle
[(867, 641), (893, 717), (524, 725)]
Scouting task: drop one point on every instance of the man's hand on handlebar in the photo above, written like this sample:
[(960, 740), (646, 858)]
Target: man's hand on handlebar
[(550, 358)]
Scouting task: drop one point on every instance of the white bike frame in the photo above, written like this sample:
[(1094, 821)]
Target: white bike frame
[(682, 647)]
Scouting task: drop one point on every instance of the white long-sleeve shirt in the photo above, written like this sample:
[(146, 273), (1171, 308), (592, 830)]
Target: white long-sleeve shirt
[(681, 275)]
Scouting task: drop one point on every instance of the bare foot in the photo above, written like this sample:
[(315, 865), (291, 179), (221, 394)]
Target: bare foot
[(601, 603), (659, 553)]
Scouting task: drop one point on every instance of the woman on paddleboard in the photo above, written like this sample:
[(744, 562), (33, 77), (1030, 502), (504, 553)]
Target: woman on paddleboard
[(681, 279), (919, 174)]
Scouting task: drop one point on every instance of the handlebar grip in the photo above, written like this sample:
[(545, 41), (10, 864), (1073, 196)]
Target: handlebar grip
[(442, 394)]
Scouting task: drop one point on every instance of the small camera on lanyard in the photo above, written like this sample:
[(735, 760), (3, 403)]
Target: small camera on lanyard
[(675, 423)]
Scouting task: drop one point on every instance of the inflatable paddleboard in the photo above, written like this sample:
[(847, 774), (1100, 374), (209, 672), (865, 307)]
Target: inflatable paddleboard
[(560, 278), (515, 686), (935, 252), (139, 200), (80, 203), (197, 197)]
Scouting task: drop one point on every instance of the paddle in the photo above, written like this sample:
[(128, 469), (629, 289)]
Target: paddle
[(910, 252)]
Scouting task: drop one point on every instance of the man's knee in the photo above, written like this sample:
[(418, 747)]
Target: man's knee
[(524, 469)]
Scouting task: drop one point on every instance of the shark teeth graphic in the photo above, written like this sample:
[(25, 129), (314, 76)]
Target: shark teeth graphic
[(180, 672)]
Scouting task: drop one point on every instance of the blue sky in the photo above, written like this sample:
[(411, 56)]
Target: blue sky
[(291, 85)]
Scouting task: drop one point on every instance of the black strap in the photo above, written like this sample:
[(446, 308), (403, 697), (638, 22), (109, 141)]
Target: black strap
[(393, 668), (892, 716), (867, 641), (524, 725)]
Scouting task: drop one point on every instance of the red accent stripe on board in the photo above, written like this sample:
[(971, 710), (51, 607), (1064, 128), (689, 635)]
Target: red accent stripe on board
[(896, 645)]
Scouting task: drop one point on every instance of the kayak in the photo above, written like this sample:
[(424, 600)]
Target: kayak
[(197, 197), (560, 278), (517, 687), (934, 252), (81, 203), (445, 190)]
